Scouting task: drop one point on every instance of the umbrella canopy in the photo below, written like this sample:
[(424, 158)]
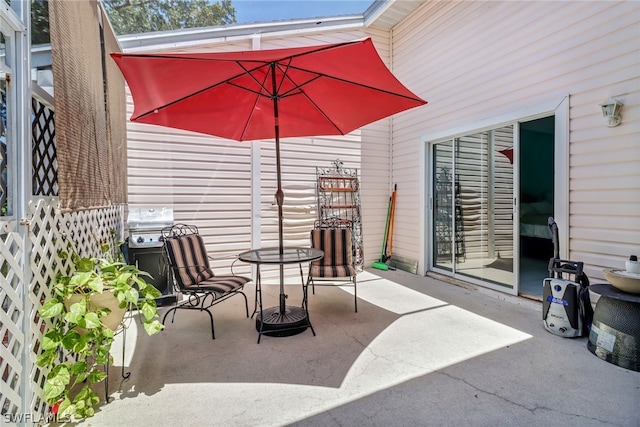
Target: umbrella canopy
[(266, 94), (317, 90)]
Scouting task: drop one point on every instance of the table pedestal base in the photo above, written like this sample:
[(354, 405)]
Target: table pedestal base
[(273, 323)]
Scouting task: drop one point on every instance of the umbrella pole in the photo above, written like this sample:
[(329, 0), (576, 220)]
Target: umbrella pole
[(279, 193), (281, 321)]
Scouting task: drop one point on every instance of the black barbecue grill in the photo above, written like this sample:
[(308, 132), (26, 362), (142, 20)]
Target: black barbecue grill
[(144, 247)]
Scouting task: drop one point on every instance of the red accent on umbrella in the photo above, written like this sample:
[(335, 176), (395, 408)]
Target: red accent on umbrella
[(264, 94), (508, 153)]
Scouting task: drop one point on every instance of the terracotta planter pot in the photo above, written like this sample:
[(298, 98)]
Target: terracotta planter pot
[(103, 300)]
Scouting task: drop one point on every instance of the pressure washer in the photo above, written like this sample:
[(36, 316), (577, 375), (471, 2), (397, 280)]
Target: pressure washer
[(566, 305)]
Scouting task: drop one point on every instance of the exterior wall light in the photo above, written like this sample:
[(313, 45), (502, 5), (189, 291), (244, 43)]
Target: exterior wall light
[(611, 112)]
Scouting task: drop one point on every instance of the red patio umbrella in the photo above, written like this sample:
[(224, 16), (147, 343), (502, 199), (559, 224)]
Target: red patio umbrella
[(266, 94)]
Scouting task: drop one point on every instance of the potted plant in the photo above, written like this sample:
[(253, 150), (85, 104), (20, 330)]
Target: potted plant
[(77, 346)]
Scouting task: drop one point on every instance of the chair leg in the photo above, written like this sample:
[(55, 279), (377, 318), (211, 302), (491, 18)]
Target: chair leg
[(173, 309), (213, 334), (355, 293), (246, 302)]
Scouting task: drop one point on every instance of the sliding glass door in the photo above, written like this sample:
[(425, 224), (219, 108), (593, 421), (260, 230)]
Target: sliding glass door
[(472, 221)]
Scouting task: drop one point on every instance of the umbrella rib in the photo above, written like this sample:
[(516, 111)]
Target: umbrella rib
[(351, 82), (261, 84), (299, 87)]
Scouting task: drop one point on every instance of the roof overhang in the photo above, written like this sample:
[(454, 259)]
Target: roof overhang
[(381, 13), (388, 13)]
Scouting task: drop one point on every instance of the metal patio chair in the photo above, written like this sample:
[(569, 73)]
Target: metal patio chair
[(338, 265), (192, 274)]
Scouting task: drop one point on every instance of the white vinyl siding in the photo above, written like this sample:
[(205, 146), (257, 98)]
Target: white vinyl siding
[(205, 180), (474, 61)]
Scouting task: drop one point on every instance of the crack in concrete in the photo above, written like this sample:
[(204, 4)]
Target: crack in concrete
[(523, 406)]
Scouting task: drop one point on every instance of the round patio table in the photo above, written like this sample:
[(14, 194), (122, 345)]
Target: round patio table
[(283, 320)]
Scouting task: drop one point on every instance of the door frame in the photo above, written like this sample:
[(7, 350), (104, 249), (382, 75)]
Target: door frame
[(559, 107)]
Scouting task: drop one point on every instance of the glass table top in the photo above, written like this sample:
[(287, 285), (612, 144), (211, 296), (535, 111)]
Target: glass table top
[(290, 255)]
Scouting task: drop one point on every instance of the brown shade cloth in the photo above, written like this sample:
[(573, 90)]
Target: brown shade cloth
[(90, 130)]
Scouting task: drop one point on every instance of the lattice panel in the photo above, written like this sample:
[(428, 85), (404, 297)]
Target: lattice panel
[(43, 148), (11, 319), (49, 233)]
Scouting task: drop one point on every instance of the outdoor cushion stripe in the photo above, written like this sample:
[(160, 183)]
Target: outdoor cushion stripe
[(221, 284), (333, 271), (338, 256), (188, 257)]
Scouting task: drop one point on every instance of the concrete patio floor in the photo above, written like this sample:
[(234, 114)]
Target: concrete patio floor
[(420, 352)]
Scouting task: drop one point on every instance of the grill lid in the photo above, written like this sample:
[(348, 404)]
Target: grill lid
[(150, 218)]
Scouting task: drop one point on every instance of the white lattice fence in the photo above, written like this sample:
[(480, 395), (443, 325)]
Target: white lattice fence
[(49, 232), (11, 318)]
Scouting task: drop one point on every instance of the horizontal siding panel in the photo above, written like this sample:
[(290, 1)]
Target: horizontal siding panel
[(609, 196), (611, 209), (593, 236), (606, 223), (592, 184), (626, 168)]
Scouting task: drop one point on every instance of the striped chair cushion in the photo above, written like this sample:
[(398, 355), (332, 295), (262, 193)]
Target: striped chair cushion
[(222, 284), (188, 258), (338, 253)]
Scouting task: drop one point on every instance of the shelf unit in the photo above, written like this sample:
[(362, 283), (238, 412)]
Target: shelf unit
[(448, 216), (338, 195)]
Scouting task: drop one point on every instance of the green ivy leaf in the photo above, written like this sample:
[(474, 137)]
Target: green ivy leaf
[(85, 264), (132, 295), (80, 278), (108, 335), (66, 408), (96, 376), (148, 309), (81, 377), (102, 354), (51, 308), (91, 320), (47, 357), (79, 344), (56, 383), (79, 367), (51, 340), (153, 328), (70, 339), (151, 292), (89, 412), (76, 311), (96, 284)]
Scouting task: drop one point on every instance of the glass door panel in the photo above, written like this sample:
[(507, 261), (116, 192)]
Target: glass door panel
[(473, 206)]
